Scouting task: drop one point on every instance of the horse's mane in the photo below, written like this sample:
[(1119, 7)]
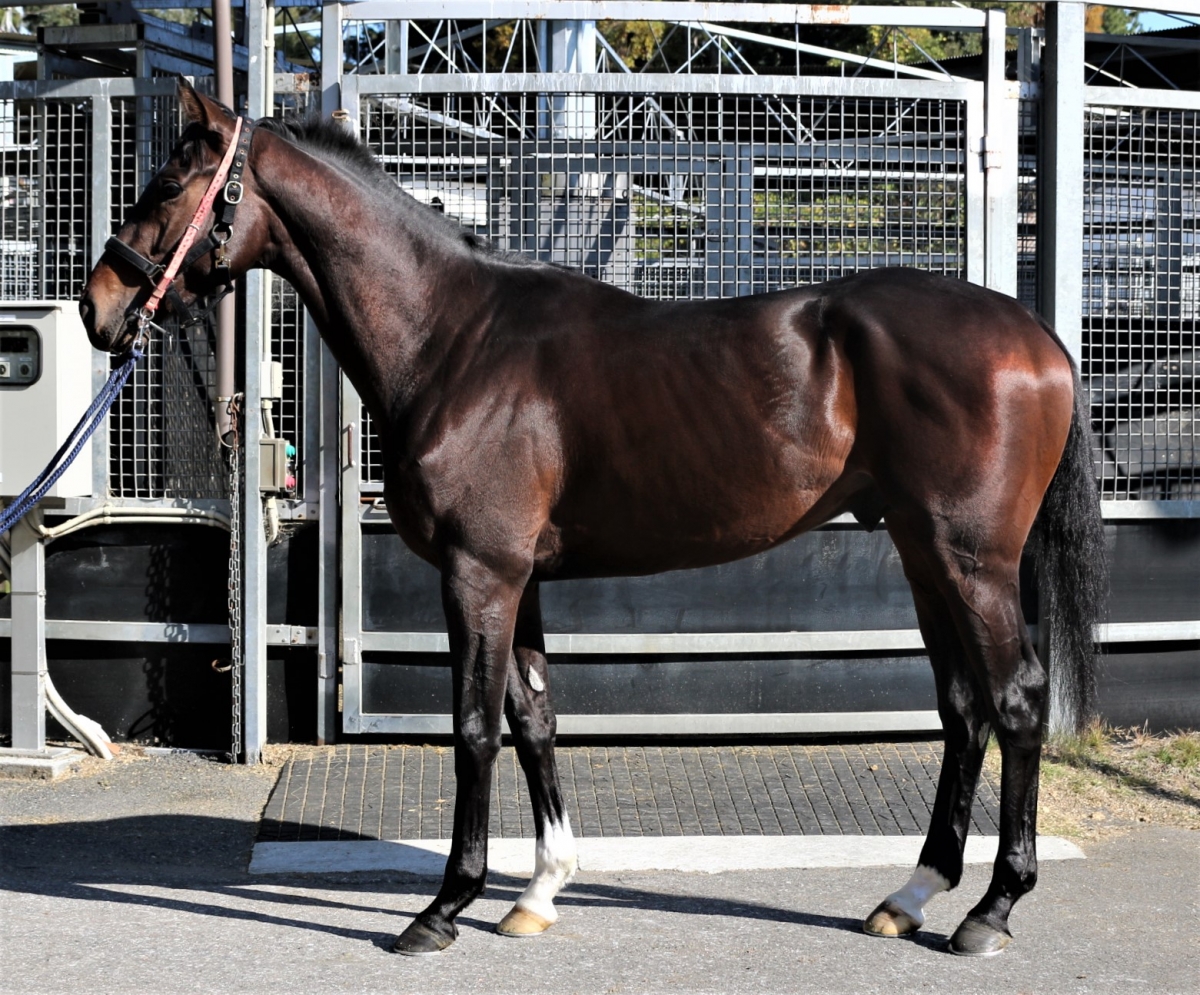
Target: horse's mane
[(332, 142), (329, 140)]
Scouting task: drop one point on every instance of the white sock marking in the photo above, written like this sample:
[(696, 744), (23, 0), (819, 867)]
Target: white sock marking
[(922, 886), (554, 866)]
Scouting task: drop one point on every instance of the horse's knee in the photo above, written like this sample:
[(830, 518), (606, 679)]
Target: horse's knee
[(476, 749), (1020, 708)]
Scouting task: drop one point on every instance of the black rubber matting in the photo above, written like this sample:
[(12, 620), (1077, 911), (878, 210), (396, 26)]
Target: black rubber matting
[(353, 792)]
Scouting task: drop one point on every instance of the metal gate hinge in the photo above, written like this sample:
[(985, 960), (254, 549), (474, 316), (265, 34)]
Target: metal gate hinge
[(993, 158), (351, 651)]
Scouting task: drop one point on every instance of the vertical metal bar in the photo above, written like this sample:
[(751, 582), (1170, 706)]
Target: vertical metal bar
[(331, 58), (744, 163), (713, 179), (976, 269), (326, 471), (28, 635), (254, 549), (396, 48), (226, 318), (333, 556), (351, 478), (1060, 215), (41, 266), (100, 221), (1060, 238), (1000, 161)]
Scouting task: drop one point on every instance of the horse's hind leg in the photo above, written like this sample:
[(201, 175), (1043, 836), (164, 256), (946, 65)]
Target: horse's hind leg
[(975, 570), (1017, 694), (532, 723), (940, 865)]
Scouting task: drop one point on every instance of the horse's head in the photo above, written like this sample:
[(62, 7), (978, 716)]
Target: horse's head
[(123, 280)]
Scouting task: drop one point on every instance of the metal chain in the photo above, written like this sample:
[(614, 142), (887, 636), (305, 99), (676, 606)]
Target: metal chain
[(235, 581)]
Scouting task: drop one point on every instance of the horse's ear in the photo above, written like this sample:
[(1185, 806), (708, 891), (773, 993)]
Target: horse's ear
[(193, 104)]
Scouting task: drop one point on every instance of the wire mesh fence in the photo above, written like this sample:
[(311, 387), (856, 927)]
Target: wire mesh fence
[(162, 430), (683, 195), (672, 196), (1141, 303), (286, 336), (45, 197)]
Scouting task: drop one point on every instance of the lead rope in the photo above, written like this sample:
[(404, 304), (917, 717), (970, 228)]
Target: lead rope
[(75, 442), (235, 579)]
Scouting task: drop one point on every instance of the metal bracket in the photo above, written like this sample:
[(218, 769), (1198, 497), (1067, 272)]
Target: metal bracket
[(291, 635), (993, 157)]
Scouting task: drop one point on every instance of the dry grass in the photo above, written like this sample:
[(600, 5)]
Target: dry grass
[(1104, 781)]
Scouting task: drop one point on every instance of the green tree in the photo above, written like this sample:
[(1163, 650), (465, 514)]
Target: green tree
[(55, 16)]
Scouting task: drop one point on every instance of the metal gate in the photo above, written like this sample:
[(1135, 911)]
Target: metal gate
[(672, 186)]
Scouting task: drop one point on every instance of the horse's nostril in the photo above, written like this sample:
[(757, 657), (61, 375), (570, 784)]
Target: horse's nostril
[(87, 313)]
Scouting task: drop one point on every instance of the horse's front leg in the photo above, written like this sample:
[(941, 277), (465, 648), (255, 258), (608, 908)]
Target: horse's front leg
[(480, 602), (532, 722)]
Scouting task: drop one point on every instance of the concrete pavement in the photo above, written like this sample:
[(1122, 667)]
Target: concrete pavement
[(133, 878)]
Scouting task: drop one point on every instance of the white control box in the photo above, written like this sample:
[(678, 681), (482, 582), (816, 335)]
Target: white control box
[(45, 387)]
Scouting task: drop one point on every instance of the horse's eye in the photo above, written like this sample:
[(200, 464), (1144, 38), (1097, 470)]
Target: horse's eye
[(171, 189)]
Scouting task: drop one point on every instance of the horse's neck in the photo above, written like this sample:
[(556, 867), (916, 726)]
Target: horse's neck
[(368, 268)]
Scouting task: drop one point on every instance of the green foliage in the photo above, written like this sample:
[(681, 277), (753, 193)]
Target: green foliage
[(641, 44), (56, 16), (294, 47), (636, 42), (1181, 752), (1078, 749), (179, 15)]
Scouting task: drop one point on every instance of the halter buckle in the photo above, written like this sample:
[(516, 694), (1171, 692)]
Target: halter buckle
[(234, 191)]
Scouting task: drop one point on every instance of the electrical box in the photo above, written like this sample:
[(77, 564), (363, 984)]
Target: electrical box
[(278, 466), (45, 387)]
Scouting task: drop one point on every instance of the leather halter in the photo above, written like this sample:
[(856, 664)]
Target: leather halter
[(227, 182)]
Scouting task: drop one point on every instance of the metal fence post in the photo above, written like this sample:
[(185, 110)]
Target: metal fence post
[(28, 636), (331, 58), (100, 222), (328, 564), (1060, 214), (1000, 161), (1060, 240), (331, 444), (260, 25)]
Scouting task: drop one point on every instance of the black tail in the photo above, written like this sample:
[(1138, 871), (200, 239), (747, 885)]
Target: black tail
[(1073, 571)]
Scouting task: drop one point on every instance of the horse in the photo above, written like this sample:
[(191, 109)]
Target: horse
[(537, 424)]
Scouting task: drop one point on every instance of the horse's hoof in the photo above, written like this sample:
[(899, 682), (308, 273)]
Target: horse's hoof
[(975, 938), (521, 923), (419, 940), (890, 920)]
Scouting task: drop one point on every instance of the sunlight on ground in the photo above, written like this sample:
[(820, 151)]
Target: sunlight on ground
[(1104, 781)]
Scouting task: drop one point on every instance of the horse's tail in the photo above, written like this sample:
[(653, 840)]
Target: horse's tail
[(1073, 570)]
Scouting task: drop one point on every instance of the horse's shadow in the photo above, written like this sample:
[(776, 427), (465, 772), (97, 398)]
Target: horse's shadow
[(202, 860)]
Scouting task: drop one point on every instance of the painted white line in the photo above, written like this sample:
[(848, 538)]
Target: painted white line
[(710, 854)]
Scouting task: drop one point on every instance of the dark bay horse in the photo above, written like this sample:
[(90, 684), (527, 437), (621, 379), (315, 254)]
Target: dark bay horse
[(537, 424)]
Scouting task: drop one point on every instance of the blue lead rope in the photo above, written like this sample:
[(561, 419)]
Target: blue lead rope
[(74, 444)]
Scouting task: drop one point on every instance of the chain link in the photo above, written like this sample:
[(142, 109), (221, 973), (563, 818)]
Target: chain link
[(235, 581)]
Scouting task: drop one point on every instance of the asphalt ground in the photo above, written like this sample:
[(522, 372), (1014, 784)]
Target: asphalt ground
[(132, 877)]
